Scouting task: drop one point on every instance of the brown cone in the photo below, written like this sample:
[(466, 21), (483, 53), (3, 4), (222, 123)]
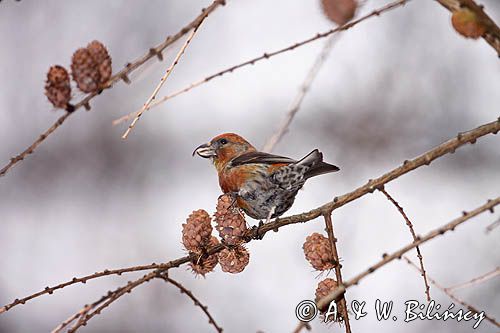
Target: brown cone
[(318, 252), (339, 11), (197, 231), (466, 23), (230, 222), (234, 260), (206, 264), (85, 71), (57, 87), (102, 59), (324, 288)]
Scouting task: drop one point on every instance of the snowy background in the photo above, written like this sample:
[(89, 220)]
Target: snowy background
[(392, 88)]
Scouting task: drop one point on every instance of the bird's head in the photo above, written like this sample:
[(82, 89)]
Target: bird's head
[(223, 148)]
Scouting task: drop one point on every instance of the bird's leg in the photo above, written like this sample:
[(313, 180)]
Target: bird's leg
[(271, 212), (233, 196), (256, 229), (235, 206), (233, 201)]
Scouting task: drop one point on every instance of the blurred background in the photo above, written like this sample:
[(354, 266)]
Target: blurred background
[(393, 87)]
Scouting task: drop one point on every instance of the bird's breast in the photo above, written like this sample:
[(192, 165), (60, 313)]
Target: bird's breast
[(234, 179)]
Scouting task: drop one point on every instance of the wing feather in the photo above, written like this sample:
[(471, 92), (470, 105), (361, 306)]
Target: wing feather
[(260, 157)]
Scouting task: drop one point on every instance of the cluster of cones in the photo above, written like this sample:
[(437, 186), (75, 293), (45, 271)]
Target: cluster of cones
[(318, 252), (90, 69), (231, 226)]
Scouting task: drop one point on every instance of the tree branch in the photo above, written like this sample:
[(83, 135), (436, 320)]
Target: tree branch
[(425, 159), (334, 295), (121, 75), (84, 311), (396, 255), (338, 272), (479, 279), (184, 290), (409, 165), (299, 97), (492, 226), (164, 77), (106, 272), (268, 55), (122, 291), (410, 226), (452, 296)]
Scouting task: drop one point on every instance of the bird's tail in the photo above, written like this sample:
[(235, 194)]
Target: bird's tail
[(314, 160)]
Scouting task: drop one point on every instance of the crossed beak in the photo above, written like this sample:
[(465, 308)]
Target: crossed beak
[(205, 150)]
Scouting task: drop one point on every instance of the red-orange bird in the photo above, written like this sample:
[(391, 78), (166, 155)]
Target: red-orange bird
[(263, 184)]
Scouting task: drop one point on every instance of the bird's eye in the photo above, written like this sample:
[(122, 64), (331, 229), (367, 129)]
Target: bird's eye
[(222, 141)]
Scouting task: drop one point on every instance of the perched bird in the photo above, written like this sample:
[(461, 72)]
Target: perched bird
[(263, 185)]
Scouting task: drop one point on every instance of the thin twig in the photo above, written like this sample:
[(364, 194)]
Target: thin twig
[(121, 75), (123, 290), (447, 147), (492, 226), (452, 296), (396, 255), (477, 280), (84, 311), (73, 317), (184, 290), (338, 272), (409, 165), (84, 279), (410, 226), (36, 143), (301, 93), (268, 55), (164, 78)]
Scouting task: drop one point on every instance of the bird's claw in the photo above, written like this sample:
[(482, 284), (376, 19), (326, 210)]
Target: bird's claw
[(256, 231)]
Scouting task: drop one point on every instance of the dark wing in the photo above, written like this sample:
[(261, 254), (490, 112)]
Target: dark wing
[(260, 157)]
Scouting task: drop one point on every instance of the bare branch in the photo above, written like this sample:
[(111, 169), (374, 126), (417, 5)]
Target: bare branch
[(164, 77), (123, 290), (268, 55), (410, 226), (121, 75), (301, 93), (492, 226), (409, 165), (73, 317), (35, 144), (396, 255), (184, 290), (84, 311), (338, 272), (425, 159), (477, 280), (452, 296), (106, 272)]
